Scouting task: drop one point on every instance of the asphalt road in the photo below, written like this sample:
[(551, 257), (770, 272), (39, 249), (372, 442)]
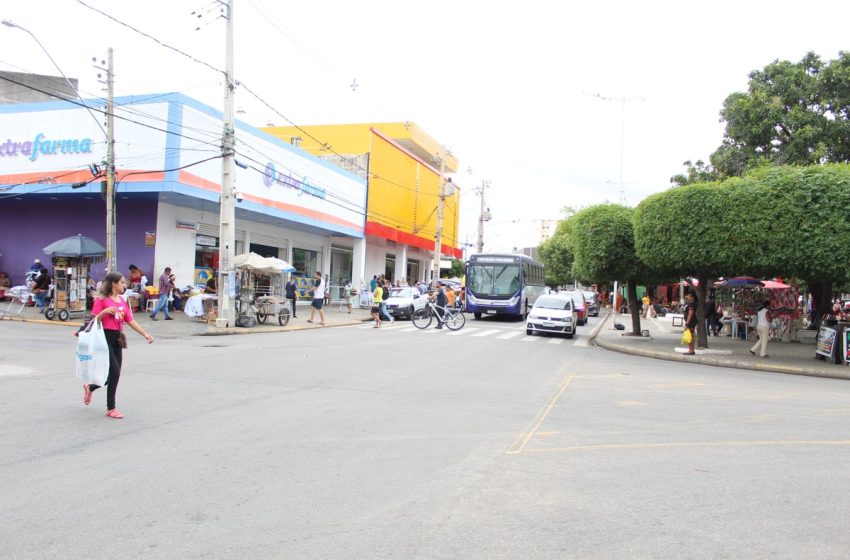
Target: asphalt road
[(355, 442)]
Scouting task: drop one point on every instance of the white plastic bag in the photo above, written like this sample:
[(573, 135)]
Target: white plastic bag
[(92, 354)]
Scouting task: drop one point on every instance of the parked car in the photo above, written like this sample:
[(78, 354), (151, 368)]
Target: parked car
[(580, 304), (592, 303), (403, 302), (552, 313)]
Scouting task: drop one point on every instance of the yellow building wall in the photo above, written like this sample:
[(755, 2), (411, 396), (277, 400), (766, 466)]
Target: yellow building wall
[(403, 189)]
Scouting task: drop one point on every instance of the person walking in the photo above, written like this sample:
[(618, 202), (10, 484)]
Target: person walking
[(383, 304), (691, 320), (113, 312), (377, 299), (41, 289), (165, 287), (292, 293), (763, 328), (318, 298), (348, 295)]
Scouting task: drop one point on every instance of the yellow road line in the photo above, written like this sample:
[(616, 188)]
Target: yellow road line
[(670, 445), (523, 439)]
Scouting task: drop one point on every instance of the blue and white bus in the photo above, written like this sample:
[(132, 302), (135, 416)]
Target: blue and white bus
[(503, 284)]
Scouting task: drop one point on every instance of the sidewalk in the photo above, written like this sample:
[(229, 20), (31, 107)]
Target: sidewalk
[(663, 343), (183, 325)]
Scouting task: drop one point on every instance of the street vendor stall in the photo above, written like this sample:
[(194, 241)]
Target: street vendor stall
[(71, 259), (743, 295), (261, 288)]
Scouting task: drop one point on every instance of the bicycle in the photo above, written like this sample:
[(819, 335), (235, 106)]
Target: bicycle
[(453, 317)]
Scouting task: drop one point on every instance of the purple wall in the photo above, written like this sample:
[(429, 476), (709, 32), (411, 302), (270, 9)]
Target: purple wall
[(28, 225)]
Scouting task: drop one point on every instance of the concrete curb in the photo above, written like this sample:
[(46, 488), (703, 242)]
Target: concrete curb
[(719, 362)]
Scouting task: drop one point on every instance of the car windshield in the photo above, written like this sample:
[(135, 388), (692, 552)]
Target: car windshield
[(578, 298), (546, 302), (590, 296), (497, 279), (401, 292)]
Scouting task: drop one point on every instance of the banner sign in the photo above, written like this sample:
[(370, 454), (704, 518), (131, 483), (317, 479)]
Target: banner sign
[(826, 342)]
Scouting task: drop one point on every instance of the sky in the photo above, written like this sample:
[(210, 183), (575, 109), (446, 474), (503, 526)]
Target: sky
[(527, 95)]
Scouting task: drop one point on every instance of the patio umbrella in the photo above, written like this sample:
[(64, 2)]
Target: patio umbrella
[(740, 282), (774, 285), (75, 246)]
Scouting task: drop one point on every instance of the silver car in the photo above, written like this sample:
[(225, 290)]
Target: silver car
[(554, 314), (404, 301)]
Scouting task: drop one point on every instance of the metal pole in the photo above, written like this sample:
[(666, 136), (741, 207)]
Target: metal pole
[(484, 185), (227, 210), (439, 237), (111, 245)]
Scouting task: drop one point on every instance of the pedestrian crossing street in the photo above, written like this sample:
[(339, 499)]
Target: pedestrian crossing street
[(468, 331)]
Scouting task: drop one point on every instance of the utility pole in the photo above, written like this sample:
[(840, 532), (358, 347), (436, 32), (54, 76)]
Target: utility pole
[(438, 240), (111, 245), (227, 210), (484, 216)]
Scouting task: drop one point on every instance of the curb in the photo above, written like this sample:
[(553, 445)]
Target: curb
[(707, 361)]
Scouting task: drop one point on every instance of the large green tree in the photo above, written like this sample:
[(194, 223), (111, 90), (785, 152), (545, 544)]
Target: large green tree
[(604, 251), (791, 113)]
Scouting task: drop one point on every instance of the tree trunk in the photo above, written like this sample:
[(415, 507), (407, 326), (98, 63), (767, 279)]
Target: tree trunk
[(702, 291), (634, 305), (821, 300)]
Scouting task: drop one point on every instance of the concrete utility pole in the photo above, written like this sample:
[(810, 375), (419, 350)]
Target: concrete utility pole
[(227, 209), (111, 244), (484, 216), (438, 239)]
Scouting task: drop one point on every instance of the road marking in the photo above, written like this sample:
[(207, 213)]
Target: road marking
[(509, 335), (410, 329), (464, 330), (584, 341), (487, 332), (523, 440), (530, 339), (674, 444), (555, 341)]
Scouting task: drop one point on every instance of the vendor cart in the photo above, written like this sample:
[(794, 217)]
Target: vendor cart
[(261, 288), (71, 259)]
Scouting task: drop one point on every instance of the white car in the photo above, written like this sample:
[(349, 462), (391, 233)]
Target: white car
[(552, 313), (404, 301)]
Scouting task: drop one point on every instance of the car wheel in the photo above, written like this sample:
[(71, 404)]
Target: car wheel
[(410, 311), (570, 335), (529, 332), (477, 315)]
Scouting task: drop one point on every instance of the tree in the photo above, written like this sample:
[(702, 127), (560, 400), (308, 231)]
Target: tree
[(792, 113), (456, 270), (698, 172), (557, 255), (604, 251)]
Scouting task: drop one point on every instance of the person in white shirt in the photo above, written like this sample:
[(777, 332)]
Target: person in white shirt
[(763, 328), (318, 298)]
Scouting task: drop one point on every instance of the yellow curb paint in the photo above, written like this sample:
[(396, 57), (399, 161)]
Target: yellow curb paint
[(523, 439)]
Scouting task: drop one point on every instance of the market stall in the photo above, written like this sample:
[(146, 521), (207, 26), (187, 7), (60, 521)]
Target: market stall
[(742, 296), (261, 288), (71, 259)]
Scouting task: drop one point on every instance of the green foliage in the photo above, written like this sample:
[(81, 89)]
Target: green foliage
[(603, 245), (456, 271), (773, 221), (556, 253), (792, 113), (697, 172)]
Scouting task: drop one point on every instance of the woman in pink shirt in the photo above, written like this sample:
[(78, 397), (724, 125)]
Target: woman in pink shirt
[(113, 311)]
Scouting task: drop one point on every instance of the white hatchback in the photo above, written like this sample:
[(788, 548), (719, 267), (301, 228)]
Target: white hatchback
[(552, 313), (404, 301)]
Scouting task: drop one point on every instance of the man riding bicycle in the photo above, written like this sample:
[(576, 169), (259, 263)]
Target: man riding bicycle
[(441, 300)]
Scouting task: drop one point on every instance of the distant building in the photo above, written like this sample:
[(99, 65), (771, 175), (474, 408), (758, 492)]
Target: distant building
[(17, 87), (547, 229)]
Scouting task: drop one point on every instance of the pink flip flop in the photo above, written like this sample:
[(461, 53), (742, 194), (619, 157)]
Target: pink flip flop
[(114, 413), (86, 394)]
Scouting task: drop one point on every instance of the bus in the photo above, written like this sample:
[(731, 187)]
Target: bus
[(503, 284)]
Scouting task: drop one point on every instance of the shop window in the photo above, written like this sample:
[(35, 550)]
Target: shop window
[(389, 268), (305, 261), (264, 250)]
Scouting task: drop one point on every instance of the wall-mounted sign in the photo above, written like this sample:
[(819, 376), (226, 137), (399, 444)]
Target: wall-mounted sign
[(206, 241), (150, 238), (187, 225)]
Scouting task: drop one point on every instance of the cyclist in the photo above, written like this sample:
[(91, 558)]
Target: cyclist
[(441, 300)]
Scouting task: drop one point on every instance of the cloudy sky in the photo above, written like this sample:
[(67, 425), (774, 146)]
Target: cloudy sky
[(528, 95)]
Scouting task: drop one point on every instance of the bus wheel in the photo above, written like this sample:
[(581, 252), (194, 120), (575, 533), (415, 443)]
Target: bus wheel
[(476, 315)]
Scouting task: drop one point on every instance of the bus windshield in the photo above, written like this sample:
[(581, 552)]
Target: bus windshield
[(487, 279)]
